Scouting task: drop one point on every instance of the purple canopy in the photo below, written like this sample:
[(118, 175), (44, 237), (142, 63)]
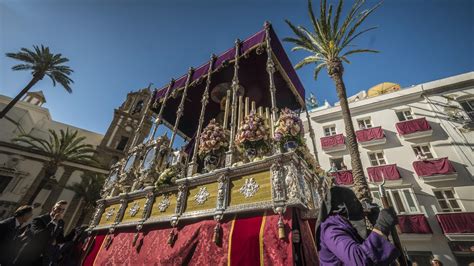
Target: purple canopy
[(252, 76)]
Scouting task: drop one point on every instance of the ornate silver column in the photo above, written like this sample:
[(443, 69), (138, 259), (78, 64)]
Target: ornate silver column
[(142, 121), (162, 107), (271, 72), (233, 118), (97, 214), (180, 111), (192, 167), (150, 198)]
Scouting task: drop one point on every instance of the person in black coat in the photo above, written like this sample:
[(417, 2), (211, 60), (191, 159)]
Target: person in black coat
[(11, 230), (44, 236)]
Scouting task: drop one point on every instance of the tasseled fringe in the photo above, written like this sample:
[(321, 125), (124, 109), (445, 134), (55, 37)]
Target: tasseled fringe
[(281, 228), (108, 241), (216, 237), (172, 237), (135, 238)]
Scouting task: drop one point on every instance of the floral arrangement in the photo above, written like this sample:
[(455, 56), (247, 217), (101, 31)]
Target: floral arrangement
[(308, 157), (212, 139), (167, 177), (252, 133), (288, 128)]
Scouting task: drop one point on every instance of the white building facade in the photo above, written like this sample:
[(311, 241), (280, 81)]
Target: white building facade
[(421, 140)]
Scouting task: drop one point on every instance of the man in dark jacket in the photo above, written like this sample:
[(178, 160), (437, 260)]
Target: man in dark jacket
[(45, 235), (11, 230), (341, 234)]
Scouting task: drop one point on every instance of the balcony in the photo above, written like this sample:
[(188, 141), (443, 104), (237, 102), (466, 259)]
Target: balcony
[(344, 177), (414, 227), (387, 171), (457, 226), (413, 129), (435, 170), (371, 136), (333, 143)]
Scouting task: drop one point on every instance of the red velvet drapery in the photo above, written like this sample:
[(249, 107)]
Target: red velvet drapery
[(456, 223), (389, 171), (412, 126), (370, 134), (433, 167), (332, 141), (344, 177), (96, 245), (414, 224), (245, 241)]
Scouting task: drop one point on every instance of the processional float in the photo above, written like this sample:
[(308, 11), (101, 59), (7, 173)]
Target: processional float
[(243, 181)]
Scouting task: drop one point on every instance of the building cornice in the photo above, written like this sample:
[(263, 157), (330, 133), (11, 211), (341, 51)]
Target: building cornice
[(408, 95), (26, 106)]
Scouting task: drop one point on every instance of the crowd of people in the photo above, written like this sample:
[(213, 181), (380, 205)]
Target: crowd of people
[(41, 242)]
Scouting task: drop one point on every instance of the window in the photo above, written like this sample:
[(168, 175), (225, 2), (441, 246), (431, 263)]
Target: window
[(4, 181), (468, 106), (339, 163), (122, 143), (138, 107), (329, 130), (376, 158), (364, 123), (404, 115), (402, 200), (424, 150), (447, 200), (420, 257)]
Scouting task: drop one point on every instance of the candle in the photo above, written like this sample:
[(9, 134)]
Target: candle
[(267, 115), (241, 102), (253, 106), (226, 110), (246, 106)]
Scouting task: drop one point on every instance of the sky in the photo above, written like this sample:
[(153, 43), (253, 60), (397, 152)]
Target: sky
[(122, 45)]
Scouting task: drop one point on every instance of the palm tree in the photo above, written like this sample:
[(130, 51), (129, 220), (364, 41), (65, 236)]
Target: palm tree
[(88, 190), (67, 146), (42, 63), (330, 43)]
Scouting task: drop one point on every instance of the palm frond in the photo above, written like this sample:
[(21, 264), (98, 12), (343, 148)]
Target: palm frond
[(332, 35), (361, 19), (318, 69), (63, 146), (43, 63), (359, 51), (348, 41)]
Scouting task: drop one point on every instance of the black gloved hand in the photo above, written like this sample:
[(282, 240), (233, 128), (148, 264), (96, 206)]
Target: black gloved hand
[(372, 212), (386, 221)]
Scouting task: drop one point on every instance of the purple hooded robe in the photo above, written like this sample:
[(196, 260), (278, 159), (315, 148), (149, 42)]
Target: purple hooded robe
[(341, 245)]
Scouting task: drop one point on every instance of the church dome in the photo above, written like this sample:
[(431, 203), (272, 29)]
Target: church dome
[(382, 88)]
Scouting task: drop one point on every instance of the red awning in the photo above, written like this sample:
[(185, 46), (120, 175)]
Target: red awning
[(414, 224), (369, 134), (456, 223), (412, 126), (389, 171), (332, 141), (440, 166), (344, 177)]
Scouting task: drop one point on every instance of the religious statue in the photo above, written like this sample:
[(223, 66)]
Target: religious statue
[(311, 101)]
